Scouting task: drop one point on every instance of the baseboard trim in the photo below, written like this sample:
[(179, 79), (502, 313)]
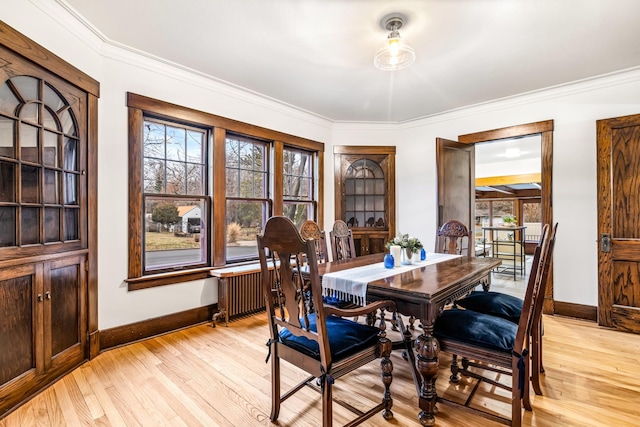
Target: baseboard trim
[(126, 334), (579, 311)]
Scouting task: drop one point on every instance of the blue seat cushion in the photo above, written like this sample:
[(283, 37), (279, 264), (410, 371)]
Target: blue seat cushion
[(337, 302), (482, 330), (346, 337), (493, 303)]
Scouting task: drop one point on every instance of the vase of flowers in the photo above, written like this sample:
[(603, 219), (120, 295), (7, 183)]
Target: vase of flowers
[(410, 247)]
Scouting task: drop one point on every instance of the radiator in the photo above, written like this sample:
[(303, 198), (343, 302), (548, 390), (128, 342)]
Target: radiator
[(239, 295)]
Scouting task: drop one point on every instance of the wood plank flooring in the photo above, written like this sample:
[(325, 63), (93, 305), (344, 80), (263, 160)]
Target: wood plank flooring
[(202, 376)]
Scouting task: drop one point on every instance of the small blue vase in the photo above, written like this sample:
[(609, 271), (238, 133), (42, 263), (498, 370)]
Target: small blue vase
[(423, 254), (388, 261)]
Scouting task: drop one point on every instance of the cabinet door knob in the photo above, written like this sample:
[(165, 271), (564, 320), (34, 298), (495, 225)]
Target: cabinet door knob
[(48, 294), (39, 297)]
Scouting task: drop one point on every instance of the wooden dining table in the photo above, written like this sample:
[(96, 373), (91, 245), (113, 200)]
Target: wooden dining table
[(422, 293)]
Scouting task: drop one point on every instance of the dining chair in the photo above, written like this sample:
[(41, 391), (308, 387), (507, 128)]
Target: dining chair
[(510, 308), (496, 344), (323, 343), (452, 237), (342, 244), (311, 230)]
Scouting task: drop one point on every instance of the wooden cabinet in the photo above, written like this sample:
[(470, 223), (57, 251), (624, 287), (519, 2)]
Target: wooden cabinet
[(48, 219), (365, 194), (43, 325)]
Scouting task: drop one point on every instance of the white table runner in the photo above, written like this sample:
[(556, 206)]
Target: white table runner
[(351, 285)]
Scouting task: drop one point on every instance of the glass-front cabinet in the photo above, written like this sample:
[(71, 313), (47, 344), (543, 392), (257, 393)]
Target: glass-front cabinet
[(365, 194)]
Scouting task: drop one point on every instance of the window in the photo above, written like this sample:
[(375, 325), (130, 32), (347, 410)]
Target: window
[(247, 204), (298, 186), (175, 196), (202, 186)]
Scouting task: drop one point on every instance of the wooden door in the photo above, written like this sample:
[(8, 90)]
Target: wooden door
[(455, 164), (64, 311), (21, 340), (619, 223)]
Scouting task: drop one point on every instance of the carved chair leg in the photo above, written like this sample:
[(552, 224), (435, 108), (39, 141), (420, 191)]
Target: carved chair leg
[(275, 387), (454, 378), (327, 402), (516, 400), (386, 366), (412, 320)]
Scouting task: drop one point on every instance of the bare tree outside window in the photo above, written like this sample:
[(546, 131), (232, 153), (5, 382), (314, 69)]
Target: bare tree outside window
[(175, 197), (297, 186)]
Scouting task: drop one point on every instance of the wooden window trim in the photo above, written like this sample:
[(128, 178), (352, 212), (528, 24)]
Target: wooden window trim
[(140, 105)]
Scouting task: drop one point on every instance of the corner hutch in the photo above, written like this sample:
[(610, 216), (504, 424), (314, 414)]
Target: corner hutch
[(365, 194), (48, 243)]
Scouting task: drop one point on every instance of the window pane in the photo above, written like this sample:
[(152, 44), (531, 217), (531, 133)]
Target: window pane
[(28, 143), (30, 226), (7, 226), (153, 176), (174, 232), (51, 195), (30, 184), (153, 138), (7, 141), (298, 212), (48, 120), (176, 178), (70, 154), (50, 149), (7, 182), (176, 143), (52, 99), (71, 224), (502, 208), (51, 225), (8, 101), (194, 179), (67, 123), (27, 87), (195, 144), (29, 112), (70, 189), (244, 220)]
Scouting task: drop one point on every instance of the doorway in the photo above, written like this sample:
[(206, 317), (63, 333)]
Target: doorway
[(545, 131)]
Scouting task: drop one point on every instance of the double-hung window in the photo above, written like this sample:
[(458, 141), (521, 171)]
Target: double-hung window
[(247, 204), (298, 190), (174, 196)]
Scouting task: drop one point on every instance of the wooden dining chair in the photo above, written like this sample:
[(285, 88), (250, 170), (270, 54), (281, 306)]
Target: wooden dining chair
[(323, 343), (342, 244), (453, 238), (496, 344), (510, 308), (310, 230)]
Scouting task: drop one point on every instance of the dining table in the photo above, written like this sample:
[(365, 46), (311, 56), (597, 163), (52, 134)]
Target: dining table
[(420, 291)]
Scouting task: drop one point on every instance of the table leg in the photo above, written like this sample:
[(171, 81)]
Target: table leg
[(427, 350)]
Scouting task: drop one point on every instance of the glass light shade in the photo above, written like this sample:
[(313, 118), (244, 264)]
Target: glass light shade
[(395, 54)]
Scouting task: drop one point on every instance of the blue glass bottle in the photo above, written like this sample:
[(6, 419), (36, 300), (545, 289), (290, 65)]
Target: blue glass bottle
[(423, 254), (388, 261)]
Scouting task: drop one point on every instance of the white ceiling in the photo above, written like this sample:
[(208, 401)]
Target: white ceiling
[(317, 55)]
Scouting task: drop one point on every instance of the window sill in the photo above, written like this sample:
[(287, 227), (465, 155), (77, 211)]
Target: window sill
[(161, 279)]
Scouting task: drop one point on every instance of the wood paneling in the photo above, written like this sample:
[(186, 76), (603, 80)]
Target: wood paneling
[(508, 179)]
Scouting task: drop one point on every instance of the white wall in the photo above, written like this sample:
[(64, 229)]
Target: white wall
[(119, 71), (574, 110)]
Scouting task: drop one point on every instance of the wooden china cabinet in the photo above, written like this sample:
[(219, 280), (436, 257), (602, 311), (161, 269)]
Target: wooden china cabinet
[(48, 316), (365, 194)]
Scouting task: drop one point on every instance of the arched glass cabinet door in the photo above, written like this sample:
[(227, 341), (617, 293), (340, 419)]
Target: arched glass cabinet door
[(39, 165), (365, 194)]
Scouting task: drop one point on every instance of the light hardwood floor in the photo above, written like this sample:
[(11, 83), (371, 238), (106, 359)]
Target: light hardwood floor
[(218, 377)]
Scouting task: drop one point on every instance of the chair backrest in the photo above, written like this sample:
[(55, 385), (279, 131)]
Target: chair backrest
[(310, 230), (539, 294), (453, 238), (535, 288), (342, 244), (281, 248)]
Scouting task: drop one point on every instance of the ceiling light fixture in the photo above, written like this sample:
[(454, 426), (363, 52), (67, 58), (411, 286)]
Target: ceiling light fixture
[(396, 53)]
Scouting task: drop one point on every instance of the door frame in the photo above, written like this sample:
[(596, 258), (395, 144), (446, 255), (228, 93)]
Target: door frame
[(545, 130)]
